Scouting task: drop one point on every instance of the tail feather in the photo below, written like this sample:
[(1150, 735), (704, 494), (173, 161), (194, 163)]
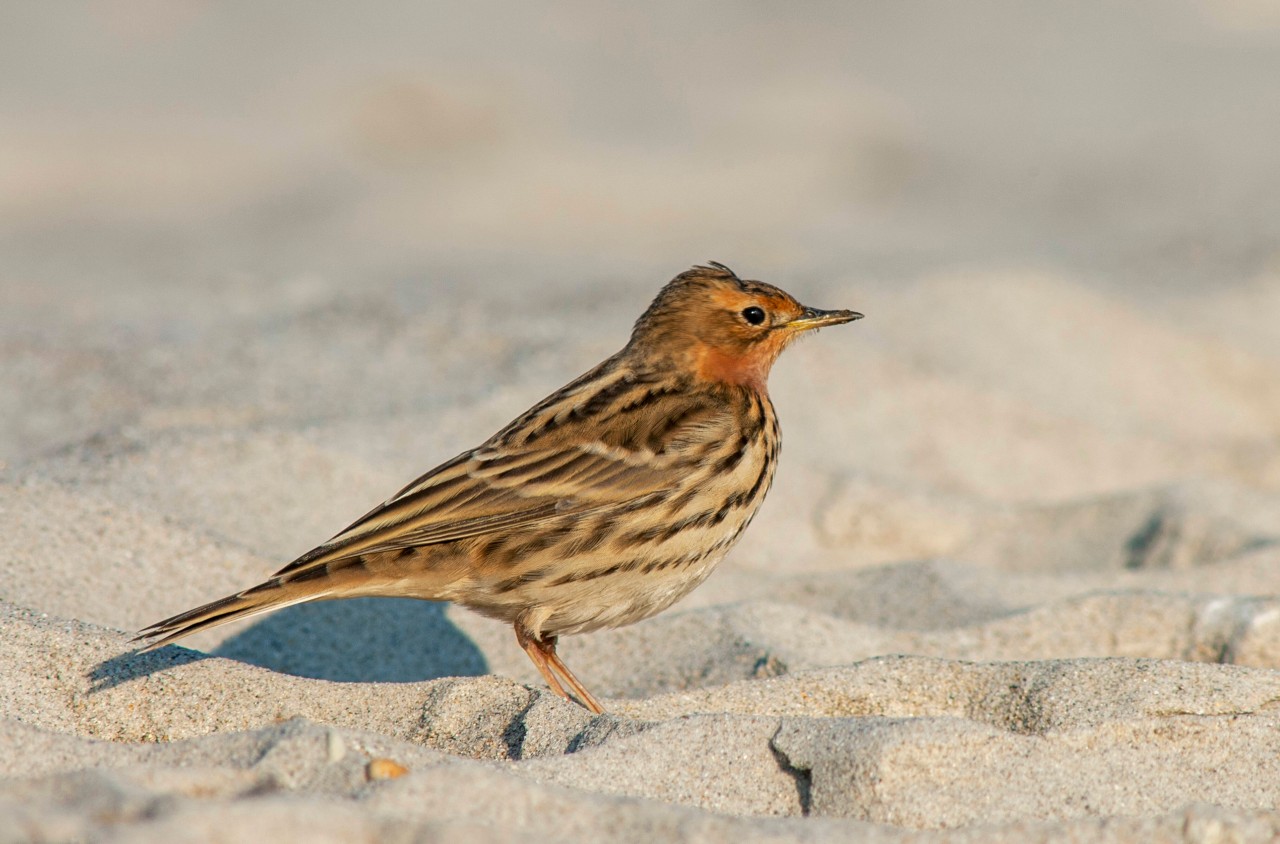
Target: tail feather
[(384, 574), (272, 595)]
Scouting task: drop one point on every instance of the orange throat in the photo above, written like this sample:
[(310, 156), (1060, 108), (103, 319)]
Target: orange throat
[(749, 369)]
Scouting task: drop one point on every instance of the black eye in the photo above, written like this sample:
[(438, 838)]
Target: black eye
[(753, 315)]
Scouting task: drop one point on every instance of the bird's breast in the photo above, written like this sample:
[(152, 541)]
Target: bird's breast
[(616, 567)]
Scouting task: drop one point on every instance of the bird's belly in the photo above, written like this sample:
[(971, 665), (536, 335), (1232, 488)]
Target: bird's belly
[(643, 571), (625, 597)]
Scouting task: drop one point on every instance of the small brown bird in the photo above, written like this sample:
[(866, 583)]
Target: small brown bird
[(603, 504)]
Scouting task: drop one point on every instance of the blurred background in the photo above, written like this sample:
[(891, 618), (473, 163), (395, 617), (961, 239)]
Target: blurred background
[(244, 143), (187, 188)]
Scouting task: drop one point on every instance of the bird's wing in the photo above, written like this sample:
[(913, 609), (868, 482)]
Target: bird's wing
[(586, 465)]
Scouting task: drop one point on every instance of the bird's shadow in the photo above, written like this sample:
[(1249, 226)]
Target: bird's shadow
[(361, 640)]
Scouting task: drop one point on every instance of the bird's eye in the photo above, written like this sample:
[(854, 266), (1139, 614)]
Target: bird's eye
[(753, 315)]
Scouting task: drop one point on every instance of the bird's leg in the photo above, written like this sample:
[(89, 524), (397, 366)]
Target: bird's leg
[(580, 690), (538, 656), (542, 653)]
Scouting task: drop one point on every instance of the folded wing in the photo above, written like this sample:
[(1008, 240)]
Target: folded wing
[(512, 484)]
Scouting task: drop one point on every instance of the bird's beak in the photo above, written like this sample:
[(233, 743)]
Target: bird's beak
[(812, 318)]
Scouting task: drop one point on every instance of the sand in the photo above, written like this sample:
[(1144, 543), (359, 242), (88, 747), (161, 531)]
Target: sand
[(1018, 579)]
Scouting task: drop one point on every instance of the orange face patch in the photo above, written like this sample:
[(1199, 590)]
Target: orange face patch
[(730, 350), (722, 329)]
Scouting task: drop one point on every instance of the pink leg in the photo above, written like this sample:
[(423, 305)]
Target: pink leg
[(542, 653)]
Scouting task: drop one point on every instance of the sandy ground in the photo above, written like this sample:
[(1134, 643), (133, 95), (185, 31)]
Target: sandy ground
[(1019, 576)]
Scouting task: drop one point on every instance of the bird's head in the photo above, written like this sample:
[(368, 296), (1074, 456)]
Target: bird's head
[(721, 328)]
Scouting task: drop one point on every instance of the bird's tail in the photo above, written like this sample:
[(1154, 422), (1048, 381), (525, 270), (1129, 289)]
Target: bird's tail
[(274, 594)]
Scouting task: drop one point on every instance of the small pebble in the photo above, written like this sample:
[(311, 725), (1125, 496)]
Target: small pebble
[(337, 747), (385, 769)]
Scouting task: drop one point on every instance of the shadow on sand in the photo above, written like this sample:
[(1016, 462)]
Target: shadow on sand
[(362, 640)]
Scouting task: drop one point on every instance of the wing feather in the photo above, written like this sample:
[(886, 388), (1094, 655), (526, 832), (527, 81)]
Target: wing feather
[(509, 485)]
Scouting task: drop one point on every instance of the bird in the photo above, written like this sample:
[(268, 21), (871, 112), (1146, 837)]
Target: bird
[(602, 505)]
